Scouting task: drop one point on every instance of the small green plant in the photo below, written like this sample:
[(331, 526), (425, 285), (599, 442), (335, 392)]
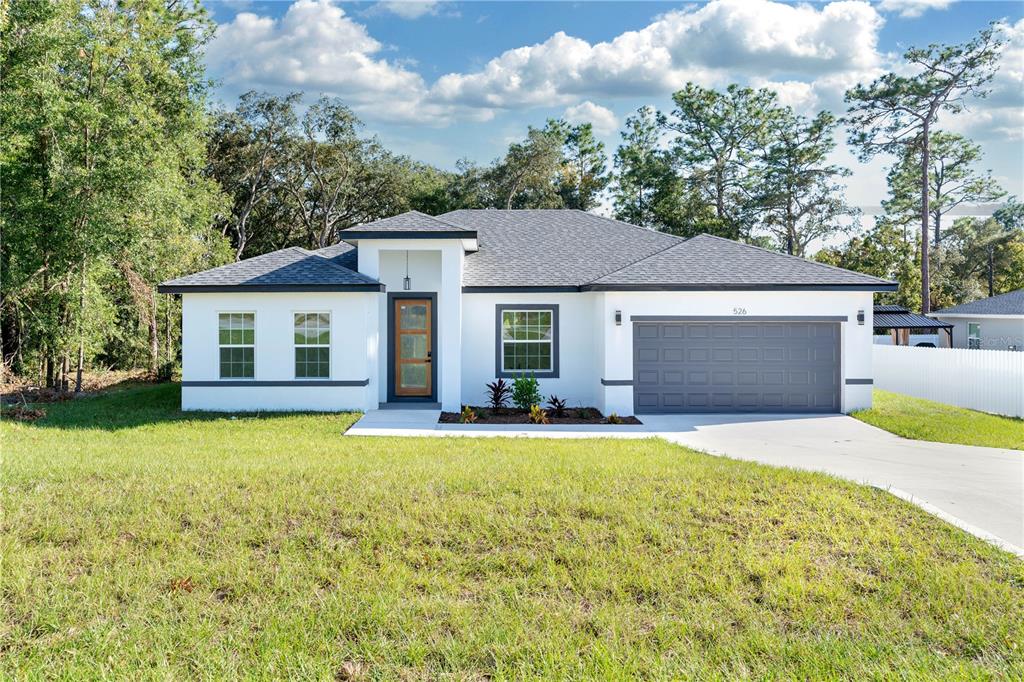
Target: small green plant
[(581, 413), (537, 415), (498, 393), (468, 415), (166, 371), (557, 406), (614, 419), (525, 391)]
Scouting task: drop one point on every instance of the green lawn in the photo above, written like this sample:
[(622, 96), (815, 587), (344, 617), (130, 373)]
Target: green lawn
[(137, 543), (922, 419)]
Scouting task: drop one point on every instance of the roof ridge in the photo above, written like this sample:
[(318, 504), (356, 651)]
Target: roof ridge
[(787, 255), (636, 227), (637, 261)]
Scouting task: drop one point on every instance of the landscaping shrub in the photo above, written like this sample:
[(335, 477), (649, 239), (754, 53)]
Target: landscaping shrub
[(537, 415), (468, 415), (525, 392), (498, 393), (614, 419), (557, 406)]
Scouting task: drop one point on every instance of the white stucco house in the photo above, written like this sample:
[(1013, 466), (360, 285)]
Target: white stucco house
[(417, 310), (995, 323)]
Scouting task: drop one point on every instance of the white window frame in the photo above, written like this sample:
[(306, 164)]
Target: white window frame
[(296, 345), (500, 369), (237, 345), (974, 341)]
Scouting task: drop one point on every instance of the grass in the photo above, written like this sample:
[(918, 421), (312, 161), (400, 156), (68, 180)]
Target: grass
[(138, 543), (922, 419)]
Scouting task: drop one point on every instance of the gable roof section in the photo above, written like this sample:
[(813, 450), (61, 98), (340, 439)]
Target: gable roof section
[(291, 269), (708, 262), (552, 249), (343, 254), (408, 225), (1011, 304)]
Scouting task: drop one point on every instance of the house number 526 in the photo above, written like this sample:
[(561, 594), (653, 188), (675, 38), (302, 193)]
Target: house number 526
[(739, 311)]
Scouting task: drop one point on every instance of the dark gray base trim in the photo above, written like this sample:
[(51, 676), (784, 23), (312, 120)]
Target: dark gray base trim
[(739, 318), (263, 288), (860, 382), (410, 405), (616, 382), (298, 382)]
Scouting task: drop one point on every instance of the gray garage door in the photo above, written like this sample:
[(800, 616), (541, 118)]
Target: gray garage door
[(741, 366)]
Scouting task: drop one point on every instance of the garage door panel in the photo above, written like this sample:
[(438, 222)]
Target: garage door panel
[(737, 366)]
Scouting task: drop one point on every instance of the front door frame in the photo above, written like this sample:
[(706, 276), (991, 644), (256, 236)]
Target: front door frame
[(435, 336)]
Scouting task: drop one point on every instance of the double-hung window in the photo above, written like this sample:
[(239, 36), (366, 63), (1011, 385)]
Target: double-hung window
[(527, 340), (236, 335), (312, 345), (973, 335)]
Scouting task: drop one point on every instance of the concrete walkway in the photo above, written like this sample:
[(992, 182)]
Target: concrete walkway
[(978, 489)]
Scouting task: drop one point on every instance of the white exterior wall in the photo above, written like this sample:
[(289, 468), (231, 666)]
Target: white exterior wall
[(579, 345), (435, 267), (353, 357), (998, 332), (855, 347)]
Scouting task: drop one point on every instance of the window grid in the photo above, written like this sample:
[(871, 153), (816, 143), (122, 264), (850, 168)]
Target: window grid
[(236, 335), (527, 340), (973, 335), (312, 345)]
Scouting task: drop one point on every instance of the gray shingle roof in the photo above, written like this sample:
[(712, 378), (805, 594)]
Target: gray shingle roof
[(410, 221), (343, 254), (705, 261), (1011, 303), (291, 269), (551, 247), (906, 320)]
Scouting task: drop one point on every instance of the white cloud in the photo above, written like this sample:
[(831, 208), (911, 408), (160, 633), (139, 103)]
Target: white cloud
[(408, 9), (317, 48), (711, 45), (910, 9), (604, 120)]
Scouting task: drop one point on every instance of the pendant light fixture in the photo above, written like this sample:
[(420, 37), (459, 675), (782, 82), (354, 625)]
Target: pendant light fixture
[(407, 282)]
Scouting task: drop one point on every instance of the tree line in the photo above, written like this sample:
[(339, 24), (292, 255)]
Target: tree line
[(118, 173)]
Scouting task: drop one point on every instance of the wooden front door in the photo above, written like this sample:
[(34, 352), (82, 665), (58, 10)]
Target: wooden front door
[(414, 345)]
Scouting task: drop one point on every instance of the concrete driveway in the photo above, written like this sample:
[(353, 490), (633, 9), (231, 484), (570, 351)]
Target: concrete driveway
[(979, 489)]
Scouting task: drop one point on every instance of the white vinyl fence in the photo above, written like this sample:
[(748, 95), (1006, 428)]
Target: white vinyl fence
[(986, 380)]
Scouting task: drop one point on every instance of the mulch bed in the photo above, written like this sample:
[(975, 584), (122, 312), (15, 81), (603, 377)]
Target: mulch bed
[(512, 415)]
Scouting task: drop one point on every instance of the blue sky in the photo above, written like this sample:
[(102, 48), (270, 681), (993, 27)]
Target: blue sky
[(441, 81)]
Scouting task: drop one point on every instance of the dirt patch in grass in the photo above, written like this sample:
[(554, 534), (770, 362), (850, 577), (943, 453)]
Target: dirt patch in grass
[(512, 415), (17, 389)]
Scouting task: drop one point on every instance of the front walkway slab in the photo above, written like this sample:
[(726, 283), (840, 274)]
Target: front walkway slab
[(978, 489)]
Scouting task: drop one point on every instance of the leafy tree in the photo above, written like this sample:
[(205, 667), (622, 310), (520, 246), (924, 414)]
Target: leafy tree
[(248, 150), (525, 177), (103, 122), (989, 251), (337, 178), (883, 252), (583, 175), (643, 170), (952, 180), (897, 110), (716, 136), (799, 194)]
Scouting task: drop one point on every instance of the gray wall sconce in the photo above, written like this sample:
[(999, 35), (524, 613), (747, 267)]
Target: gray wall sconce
[(618, 318), (860, 317)]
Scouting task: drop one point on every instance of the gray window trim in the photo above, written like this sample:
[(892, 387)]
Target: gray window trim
[(616, 382), (859, 382), (498, 310)]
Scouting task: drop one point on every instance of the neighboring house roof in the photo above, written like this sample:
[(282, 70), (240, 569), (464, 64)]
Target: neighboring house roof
[(550, 248), (291, 269), (898, 317), (408, 225), (1010, 304), (708, 262)]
